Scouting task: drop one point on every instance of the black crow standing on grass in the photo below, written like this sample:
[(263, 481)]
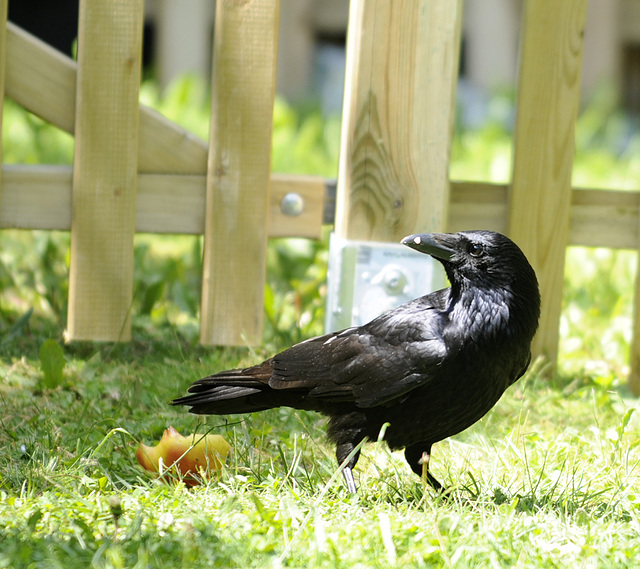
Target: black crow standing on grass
[(429, 368)]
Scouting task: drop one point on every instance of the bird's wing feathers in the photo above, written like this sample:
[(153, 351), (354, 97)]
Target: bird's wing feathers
[(368, 366)]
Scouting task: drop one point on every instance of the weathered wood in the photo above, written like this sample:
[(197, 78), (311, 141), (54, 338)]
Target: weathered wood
[(36, 197), (547, 107), (402, 64), (105, 169), (167, 148), (604, 218), (383, 168), (243, 88), (43, 81)]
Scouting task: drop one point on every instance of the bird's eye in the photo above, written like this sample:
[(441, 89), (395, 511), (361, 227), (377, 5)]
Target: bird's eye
[(475, 249)]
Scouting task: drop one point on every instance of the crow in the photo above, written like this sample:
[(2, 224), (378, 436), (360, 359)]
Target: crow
[(427, 369)]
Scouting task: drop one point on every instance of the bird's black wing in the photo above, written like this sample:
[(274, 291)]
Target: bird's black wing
[(370, 365), (366, 366)]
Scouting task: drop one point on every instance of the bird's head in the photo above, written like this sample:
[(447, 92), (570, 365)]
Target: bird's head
[(481, 260)]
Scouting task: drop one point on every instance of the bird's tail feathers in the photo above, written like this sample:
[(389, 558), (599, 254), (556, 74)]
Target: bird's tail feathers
[(229, 392)]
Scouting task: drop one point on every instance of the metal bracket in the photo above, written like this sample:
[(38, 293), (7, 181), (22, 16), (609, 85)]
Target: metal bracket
[(366, 279)]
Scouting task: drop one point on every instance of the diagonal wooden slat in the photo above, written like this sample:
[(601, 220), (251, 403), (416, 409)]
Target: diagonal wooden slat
[(544, 213), (43, 81)]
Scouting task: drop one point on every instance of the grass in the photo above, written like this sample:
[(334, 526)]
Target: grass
[(548, 478)]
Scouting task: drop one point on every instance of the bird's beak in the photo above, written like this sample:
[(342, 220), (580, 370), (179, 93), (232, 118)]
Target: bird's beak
[(438, 245)]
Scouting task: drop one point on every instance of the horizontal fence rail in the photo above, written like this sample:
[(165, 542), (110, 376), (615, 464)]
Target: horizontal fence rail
[(39, 197)]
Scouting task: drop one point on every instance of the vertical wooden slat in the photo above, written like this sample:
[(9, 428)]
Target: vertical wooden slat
[(402, 67), (547, 107), (184, 34), (105, 168), (634, 348), (244, 65), (3, 57)]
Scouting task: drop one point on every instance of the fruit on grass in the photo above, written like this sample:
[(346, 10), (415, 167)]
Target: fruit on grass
[(184, 457)]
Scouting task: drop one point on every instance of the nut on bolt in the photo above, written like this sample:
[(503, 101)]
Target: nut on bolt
[(292, 204)]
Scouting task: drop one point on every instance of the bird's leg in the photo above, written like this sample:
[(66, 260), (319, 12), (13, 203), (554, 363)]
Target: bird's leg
[(426, 475), (418, 459), (347, 473), (343, 450)]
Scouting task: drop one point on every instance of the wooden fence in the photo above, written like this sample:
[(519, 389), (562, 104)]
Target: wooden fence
[(136, 171)]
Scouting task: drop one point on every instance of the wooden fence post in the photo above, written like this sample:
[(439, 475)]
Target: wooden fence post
[(105, 169), (402, 68), (547, 108), (244, 67), (634, 349)]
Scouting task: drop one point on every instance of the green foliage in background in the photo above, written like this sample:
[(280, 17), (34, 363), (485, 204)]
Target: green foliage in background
[(27, 139)]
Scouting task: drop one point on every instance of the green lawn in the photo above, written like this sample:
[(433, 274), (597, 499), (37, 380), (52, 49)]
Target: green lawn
[(549, 478)]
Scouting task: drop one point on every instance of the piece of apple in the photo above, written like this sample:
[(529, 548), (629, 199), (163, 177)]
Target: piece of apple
[(193, 454)]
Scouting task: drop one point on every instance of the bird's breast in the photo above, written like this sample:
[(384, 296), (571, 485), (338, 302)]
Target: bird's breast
[(467, 387)]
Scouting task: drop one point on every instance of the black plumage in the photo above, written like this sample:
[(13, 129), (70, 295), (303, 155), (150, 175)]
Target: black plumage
[(429, 368)]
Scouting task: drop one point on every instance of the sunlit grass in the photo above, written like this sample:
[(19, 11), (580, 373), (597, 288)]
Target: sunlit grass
[(547, 478)]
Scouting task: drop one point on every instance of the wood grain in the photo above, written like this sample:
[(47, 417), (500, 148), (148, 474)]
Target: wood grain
[(105, 169), (402, 63), (244, 70), (547, 107)]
